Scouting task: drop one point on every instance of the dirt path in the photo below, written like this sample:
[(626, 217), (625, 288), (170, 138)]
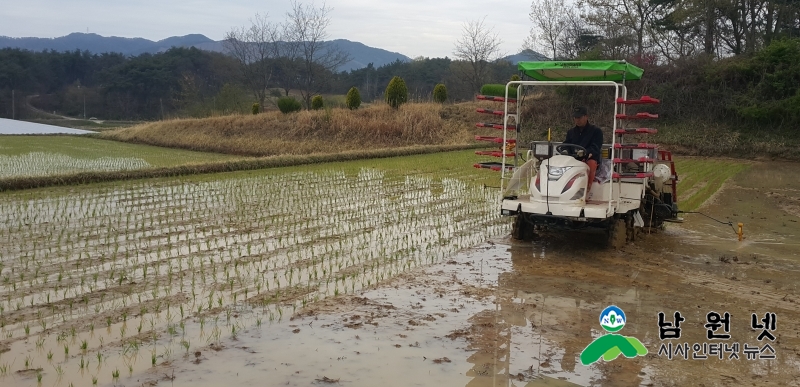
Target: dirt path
[(30, 106), (520, 314)]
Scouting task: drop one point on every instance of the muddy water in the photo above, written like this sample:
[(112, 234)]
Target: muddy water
[(519, 314)]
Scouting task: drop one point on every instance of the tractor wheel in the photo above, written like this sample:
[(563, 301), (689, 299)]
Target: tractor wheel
[(617, 233), (522, 230), (630, 228)]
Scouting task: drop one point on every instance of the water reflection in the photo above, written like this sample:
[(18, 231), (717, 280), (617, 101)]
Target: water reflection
[(538, 328)]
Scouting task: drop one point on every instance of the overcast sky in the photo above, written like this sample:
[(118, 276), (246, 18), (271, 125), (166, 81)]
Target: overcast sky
[(411, 27)]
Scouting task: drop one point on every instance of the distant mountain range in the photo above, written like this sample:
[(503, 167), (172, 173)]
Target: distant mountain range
[(360, 53)]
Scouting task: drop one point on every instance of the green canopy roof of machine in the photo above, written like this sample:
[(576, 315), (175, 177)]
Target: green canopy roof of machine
[(587, 70)]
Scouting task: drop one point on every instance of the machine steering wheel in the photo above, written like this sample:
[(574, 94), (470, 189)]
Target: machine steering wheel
[(576, 151)]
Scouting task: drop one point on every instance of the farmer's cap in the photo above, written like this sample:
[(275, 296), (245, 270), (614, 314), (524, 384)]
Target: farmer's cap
[(579, 112)]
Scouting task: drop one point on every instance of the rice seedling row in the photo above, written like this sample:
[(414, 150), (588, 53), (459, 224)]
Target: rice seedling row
[(45, 164), (108, 271)]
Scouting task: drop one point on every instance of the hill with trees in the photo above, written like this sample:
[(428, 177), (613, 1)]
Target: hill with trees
[(724, 69)]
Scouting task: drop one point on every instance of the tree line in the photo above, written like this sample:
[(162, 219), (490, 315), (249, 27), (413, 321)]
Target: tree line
[(189, 82), (663, 31), (710, 59), (265, 59), (113, 86), (728, 60)]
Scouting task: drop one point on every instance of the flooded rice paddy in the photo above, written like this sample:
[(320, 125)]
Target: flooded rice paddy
[(506, 313), (231, 282), (104, 283)]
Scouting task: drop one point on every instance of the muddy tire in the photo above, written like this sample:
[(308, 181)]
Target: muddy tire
[(630, 229), (522, 230), (617, 234)]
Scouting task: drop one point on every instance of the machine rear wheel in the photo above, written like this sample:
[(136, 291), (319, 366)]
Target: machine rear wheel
[(522, 230), (617, 233), (630, 229)]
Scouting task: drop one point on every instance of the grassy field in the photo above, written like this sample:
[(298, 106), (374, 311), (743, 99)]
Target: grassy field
[(298, 138), (703, 139), (313, 132), (88, 147), (47, 155), (701, 178), (42, 155), (94, 173), (98, 126)]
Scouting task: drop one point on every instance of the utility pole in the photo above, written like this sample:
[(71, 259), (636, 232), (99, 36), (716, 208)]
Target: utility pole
[(83, 94), (162, 108), (13, 106)]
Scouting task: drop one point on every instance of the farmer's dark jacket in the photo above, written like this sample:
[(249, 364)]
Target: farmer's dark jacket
[(589, 137)]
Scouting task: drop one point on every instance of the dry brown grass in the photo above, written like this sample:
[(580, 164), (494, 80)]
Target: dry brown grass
[(312, 132), (285, 140)]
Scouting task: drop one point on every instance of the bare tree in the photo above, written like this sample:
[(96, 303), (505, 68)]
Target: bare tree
[(725, 27), (478, 46), (677, 29), (306, 32), (625, 18), (255, 48), (617, 41), (550, 20), (578, 37)]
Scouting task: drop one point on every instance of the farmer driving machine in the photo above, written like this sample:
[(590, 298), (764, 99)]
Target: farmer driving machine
[(544, 183)]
